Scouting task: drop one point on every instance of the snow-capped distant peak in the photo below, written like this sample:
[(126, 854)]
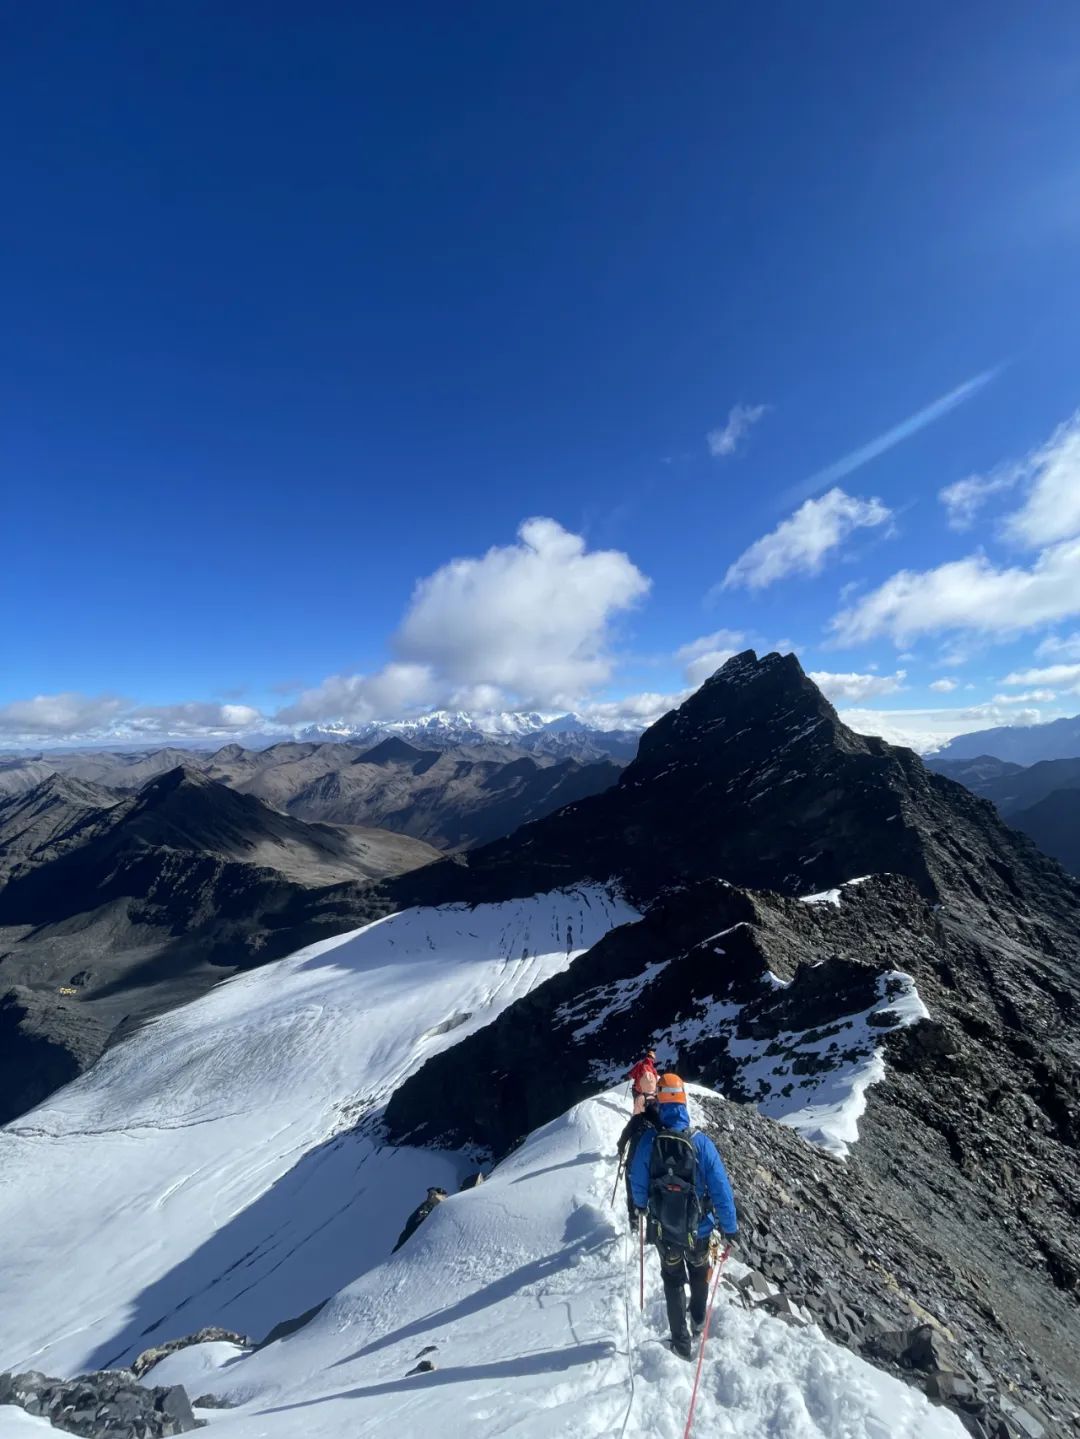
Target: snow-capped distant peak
[(459, 727)]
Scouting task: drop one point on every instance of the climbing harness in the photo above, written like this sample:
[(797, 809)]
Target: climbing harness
[(718, 1267)]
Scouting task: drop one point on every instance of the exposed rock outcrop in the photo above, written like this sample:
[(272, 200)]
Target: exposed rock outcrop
[(110, 1403)]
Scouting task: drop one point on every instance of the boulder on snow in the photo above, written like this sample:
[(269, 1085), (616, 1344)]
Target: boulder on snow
[(110, 1402), (472, 1180), (149, 1357)]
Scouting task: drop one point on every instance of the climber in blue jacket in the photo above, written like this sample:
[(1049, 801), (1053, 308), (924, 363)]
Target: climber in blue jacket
[(678, 1180)]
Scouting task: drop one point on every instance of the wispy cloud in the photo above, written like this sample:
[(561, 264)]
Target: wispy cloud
[(726, 439), (887, 441)]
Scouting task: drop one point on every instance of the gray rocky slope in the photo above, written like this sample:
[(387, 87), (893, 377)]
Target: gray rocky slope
[(449, 795), (961, 1198)]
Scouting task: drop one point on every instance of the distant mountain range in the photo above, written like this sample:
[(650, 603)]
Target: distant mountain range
[(1018, 744), (1042, 800), (453, 796), (569, 736)]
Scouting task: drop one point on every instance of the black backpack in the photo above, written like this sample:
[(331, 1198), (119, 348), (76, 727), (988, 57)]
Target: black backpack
[(674, 1205)]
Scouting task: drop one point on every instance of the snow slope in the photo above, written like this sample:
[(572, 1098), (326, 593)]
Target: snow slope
[(201, 1173), (524, 1294)]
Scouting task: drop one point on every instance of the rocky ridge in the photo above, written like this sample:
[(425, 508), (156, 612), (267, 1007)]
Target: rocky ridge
[(971, 1138)]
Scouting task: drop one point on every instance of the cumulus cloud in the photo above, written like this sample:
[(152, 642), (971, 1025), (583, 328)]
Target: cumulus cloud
[(857, 686), (60, 715), (532, 619), (945, 685), (359, 698), (727, 438), (703, 657), (803, 542), (525, 624), (972, 594)]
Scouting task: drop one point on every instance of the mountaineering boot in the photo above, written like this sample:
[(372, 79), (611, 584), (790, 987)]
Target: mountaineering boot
[(696, 1326), (682, 1347)]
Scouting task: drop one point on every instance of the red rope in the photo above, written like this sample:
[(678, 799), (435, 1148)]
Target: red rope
[(704, 1335)]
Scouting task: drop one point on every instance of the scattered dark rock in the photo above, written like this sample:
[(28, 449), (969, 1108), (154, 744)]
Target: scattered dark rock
[(435, 1197), (149, 1357), (424, 1367), (428, 1349), (212, 1401), (109, 1403), (472, 1180)]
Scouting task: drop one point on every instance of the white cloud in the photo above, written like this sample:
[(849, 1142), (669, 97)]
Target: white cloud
[(971, 594), (1051, 511), (1066, 647), (1028, 697), (632, 711), (194, 718), (703, 657), (1064, 674), (857, 686), (81, 719), (59, 715), (527, 624), (974, 594), (532, 618), (945, 685), (359, 698), (802, 543), (726, 440), (927, 730), (965, 498)]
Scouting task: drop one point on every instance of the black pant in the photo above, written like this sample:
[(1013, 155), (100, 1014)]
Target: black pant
[(678, 1268)]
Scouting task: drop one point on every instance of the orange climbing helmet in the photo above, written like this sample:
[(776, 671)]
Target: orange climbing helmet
[(670, 1090)]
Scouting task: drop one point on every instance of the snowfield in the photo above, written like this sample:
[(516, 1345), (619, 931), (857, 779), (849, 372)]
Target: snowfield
[(200, 1173)]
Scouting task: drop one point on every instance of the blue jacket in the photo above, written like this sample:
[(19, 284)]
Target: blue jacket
[(713, 1185)]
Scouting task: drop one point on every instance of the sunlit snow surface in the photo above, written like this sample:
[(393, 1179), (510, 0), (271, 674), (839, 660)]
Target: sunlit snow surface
[(527, 1289), (201, 1172)]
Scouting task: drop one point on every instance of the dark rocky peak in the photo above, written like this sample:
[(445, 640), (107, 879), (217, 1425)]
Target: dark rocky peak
[(59, 789), (228, 753), (394, 750), (755, 780), (749, 710), (188, 810)]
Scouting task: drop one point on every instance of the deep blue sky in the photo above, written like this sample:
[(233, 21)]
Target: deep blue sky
[(299, 304)]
